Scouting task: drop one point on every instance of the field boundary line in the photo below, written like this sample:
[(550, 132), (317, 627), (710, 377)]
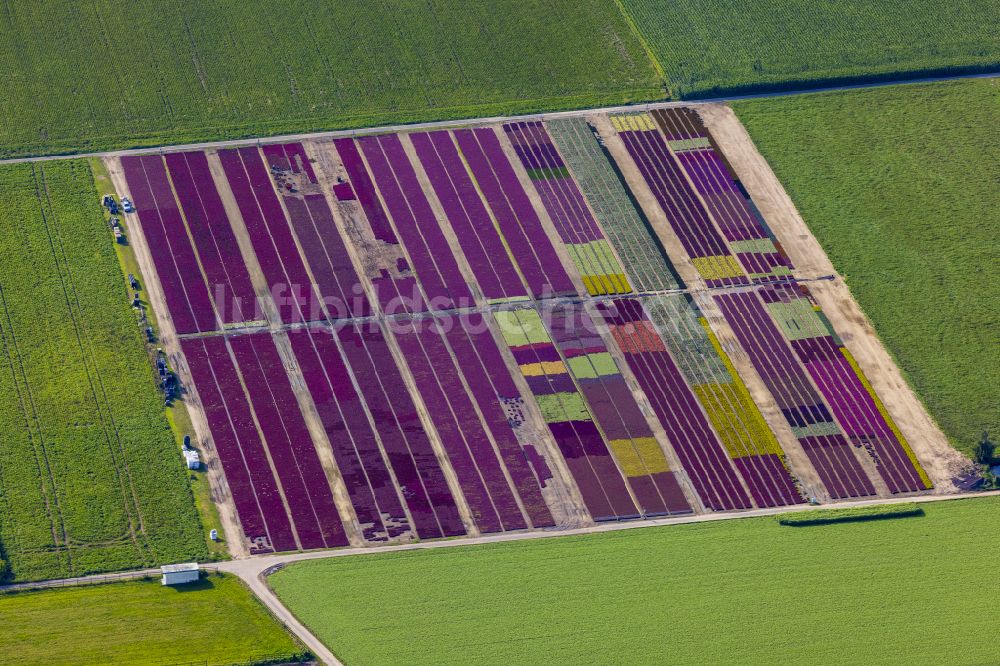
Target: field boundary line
[(96, 579), (263, 563)]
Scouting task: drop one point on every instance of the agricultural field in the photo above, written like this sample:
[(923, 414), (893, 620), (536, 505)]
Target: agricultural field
[(502, 327), (215, 622), (720, 47), (687, 594), (149, 73), (904, 202), (91, 479)]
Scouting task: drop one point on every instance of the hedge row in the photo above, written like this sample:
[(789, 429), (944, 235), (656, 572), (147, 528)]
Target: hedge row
[(855, 515)]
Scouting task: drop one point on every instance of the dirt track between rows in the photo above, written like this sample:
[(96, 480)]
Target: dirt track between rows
[(939, 459)]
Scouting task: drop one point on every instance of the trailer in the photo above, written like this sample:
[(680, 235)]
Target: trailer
[(180, 574)]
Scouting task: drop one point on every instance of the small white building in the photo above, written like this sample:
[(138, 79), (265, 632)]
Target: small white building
[(193, 459), (179, 574)]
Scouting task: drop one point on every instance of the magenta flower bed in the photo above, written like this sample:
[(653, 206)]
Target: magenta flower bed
[(403, 437), (425, 243), (355, 444), (613, 407), (321, 242), (480, 475), (517, 219), (467, 215), (307, 491), (490, 383), (215, 243), (166, 236), (255, 492), (686, 215), (559, 192), (270, 235), (784, 377)]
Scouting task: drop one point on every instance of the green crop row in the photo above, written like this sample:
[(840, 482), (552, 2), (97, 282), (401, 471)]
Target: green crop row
[(601, 184), (90, 476)]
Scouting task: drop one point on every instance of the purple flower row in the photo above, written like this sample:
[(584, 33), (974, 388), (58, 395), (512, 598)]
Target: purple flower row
[(255, 491), (675, 195), (480, 242), (516, 217), (270, 235), (480, 475), (559, 193), (373, 494), (176, 265), (306, 488), (213, 237)]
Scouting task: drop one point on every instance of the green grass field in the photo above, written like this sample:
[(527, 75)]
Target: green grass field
[(91, 478), (903, 591), (211, 623), (723, 46), (899, 185), (149, 72)]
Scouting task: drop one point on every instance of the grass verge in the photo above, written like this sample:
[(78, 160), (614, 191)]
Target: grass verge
[(854, 515)]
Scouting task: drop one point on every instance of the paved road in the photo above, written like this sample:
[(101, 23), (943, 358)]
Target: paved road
[(495, 119)]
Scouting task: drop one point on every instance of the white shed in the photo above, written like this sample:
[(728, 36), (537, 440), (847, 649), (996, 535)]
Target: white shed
[(179, 574), (192, 458)]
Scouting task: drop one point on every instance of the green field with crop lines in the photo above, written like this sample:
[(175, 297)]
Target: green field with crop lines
[(110, 74), (721, 46), (90, 476), (748, 591)]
